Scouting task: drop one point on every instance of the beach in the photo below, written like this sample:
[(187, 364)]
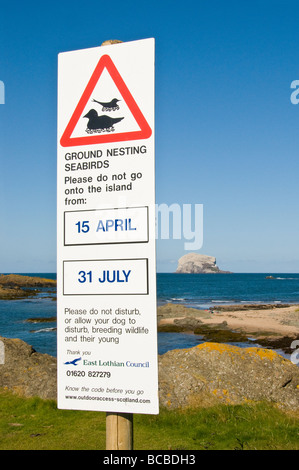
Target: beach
[(270, 325), (281, 321)]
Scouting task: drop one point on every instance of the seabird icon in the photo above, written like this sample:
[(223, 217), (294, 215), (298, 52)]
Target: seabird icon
[(74, 361), (109, 106), (98, 123)]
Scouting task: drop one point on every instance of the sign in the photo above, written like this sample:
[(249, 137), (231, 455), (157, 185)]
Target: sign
[(106, 268), (99, 124)]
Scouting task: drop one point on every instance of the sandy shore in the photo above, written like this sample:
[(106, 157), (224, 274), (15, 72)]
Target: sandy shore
[(268, 322), (282, 321)]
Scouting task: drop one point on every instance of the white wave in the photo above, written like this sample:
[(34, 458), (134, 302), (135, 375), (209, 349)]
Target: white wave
[(42, 330), (292, 278)]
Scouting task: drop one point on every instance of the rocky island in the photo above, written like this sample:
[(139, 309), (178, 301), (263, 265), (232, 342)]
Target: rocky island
[(194, 263)]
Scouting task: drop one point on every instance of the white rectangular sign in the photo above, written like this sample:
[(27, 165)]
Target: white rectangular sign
[(106, 267), (129, 225), (105, 277)]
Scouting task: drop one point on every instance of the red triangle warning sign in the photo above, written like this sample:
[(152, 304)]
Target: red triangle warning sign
[(100, 128)]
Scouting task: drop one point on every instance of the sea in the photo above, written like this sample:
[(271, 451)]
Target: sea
[(200, 291)]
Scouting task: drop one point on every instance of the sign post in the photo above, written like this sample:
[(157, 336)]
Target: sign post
[(119, 431), (106, 267)]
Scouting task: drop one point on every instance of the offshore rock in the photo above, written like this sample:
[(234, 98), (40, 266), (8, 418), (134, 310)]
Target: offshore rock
[(194, 263)]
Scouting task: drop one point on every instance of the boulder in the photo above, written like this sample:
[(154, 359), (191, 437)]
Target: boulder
[(212, 373), (26, 371)]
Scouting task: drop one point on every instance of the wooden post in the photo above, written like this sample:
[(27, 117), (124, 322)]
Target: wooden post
[(119, 426), (109, 42), (119, 431)]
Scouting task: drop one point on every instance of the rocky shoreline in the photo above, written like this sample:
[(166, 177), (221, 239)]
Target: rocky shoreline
[(271, 326), (17, 286)]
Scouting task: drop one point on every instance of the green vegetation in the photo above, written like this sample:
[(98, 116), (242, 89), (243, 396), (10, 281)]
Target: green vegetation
[(35, 424)]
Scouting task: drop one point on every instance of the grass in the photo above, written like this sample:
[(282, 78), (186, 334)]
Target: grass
[(35, 424)]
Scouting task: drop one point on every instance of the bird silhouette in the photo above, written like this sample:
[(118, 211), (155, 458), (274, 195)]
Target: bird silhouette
[(100, 123), (74, 361), (109, 106)]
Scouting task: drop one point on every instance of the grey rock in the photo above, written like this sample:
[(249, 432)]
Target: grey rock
[(26, 371), (214, 373)]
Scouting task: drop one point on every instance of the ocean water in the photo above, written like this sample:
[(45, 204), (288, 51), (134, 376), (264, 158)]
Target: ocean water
[(14, 313), (194, 290), (207, 290)]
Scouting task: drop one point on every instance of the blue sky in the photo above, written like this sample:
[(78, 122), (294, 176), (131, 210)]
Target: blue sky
[(226, 130)]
